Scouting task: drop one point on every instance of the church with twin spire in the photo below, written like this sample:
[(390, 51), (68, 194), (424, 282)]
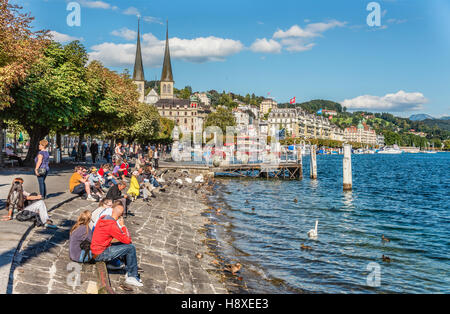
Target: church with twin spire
[(188, 114)]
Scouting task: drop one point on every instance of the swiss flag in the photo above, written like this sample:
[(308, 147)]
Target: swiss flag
[(292, 101)]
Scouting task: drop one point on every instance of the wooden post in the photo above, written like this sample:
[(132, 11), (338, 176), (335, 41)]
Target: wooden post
[(313, 166), (300, 162), (347, 167)]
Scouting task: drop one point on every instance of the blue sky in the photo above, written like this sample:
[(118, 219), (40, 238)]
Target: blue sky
[(308, 49)]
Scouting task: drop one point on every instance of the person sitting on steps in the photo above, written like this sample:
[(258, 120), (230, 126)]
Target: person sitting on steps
[(79, 234), (79, 185), (115, 193), (111, 229), (16, 201)]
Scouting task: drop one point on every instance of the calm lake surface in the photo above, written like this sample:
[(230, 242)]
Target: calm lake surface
[(404, 197)]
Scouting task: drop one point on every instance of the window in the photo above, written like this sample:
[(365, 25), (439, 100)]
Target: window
[(164, 88), (168, 89)]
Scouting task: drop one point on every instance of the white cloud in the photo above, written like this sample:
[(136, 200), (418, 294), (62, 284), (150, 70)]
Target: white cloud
[(132, 11), (96, 4), (198, 50), (125, 33), (151, 19), (296, 38), (398, 102), (267, 46), (63, 38), (310, 31)]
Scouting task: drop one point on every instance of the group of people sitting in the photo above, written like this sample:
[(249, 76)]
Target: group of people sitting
[(112, 179), (101, 236)]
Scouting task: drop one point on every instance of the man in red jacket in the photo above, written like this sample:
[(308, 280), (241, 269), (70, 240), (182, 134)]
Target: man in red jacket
[(111, 229)]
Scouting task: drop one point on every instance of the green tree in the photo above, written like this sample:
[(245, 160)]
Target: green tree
[(53, 95), (147, 126), (113, 103), (222, 118)]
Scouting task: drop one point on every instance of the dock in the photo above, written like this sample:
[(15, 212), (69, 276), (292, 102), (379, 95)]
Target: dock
[(284, 170)]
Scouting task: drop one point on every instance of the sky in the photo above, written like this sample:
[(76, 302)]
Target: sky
[(322, 49)]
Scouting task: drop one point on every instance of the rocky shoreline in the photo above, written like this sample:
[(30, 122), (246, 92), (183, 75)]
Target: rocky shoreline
[(175, 251)]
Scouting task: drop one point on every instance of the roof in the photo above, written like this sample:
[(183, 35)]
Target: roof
[(166, 75), (173, 102), (138, 73)]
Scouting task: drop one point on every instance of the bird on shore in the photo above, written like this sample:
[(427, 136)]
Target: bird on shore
[(384, 239), (199, 255), (386, 259), (199, 179), (234, 268), (305, 247), (246, 202), (295, 200), (312, 234)]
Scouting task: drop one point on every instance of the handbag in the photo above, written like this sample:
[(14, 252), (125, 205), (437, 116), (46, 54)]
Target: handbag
[(41, 171)]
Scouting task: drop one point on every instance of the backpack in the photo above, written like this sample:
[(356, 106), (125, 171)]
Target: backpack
[(85, 245), (26, 215)]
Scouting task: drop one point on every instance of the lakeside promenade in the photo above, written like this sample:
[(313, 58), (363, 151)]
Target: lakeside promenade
[(168, 232)]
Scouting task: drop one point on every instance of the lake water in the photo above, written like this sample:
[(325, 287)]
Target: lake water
[(404, 197)]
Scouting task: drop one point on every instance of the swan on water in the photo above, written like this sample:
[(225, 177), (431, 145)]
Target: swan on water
[(313, 232)]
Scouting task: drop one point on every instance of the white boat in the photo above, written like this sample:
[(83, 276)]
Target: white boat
[(391, 150)]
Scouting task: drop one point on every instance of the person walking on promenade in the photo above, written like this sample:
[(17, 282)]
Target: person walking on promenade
[(107, 154), (94, 151), (156, 158), (41, 169), (118, 151), (112, 228), (84, 148)]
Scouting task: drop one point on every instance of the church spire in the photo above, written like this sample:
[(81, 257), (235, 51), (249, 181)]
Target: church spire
[(138, 73), (167, 75)]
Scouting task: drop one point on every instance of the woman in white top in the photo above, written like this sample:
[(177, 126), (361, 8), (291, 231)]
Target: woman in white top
[(104, 209), (16, 201)]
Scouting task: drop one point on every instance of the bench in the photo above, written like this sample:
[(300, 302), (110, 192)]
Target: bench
[(103, 283), (8, 161)]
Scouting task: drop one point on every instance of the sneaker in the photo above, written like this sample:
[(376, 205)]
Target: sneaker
[(134, 282), (90, 198), (138, 278), (50, 226)]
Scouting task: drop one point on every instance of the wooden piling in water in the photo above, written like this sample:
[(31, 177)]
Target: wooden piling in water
[(347, 167), (300, 162), (313, 166)]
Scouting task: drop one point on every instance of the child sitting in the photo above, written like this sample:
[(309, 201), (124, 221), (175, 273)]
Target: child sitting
[(95, 180)]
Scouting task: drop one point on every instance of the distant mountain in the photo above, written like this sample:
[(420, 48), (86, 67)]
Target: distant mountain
[(420, 117), (445, 118)]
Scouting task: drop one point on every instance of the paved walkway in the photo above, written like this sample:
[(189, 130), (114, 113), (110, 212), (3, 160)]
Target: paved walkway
[(12, 232), (168, 233)]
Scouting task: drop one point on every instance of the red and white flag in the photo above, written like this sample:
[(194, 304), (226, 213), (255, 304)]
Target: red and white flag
[(292, 101)]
